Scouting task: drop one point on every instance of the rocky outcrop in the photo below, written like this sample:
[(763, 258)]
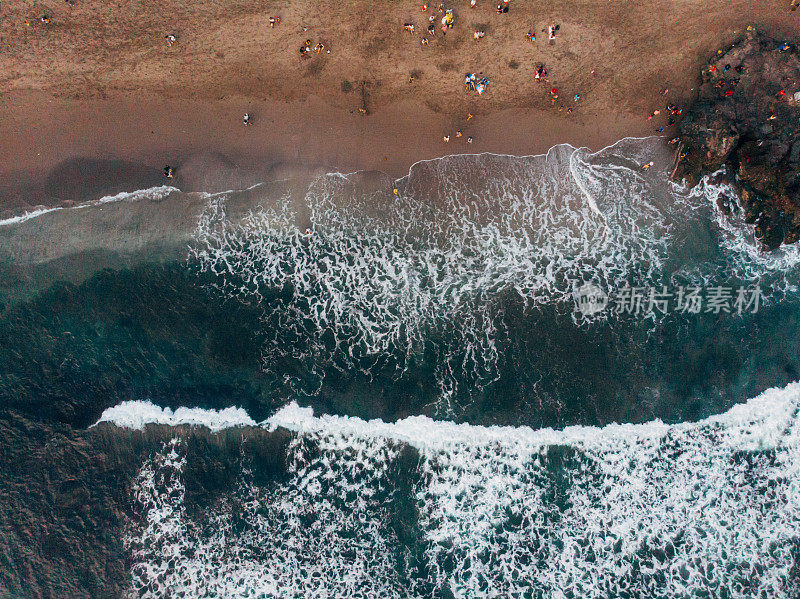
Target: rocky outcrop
[(747, 119)]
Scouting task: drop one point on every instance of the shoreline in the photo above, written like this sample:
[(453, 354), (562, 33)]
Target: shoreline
[(91, 111), (98, 147), (15, 217)]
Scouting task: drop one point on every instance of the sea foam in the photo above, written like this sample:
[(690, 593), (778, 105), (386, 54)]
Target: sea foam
[(442, 249), (432, 264), (631, 510), (154, 193), (137, 414)]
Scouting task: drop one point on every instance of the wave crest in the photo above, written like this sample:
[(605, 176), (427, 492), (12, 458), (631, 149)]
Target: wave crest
[(421, 508)]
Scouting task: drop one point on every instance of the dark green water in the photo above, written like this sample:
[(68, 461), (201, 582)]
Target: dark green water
[(160, 332), (437, 310)]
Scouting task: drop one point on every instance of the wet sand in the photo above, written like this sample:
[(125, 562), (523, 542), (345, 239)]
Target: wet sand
[(98, 147)]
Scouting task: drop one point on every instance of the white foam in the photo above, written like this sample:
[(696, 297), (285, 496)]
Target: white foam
[(153, 193), (156, 193), (137, 414), (746, 259), (21, 218), (756, 425), (649, 510), (466, 236), (380, 270)]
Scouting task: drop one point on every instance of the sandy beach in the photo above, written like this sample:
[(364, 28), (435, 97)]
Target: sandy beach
[(210, 149), (94, 99)]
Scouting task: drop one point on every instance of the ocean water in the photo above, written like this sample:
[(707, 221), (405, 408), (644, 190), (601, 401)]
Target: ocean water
[(422, 508), (452, 291), (489, 385)]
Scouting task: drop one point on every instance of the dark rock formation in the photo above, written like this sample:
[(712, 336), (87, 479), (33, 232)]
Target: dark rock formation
[(747, 119)]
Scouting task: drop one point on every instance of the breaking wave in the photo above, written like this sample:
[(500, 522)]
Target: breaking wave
[(363, 273), (737, 240), (154, 193), (420, 508), (137, 414)]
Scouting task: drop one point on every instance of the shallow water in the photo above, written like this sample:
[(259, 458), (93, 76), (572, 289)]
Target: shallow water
[(462, 283)]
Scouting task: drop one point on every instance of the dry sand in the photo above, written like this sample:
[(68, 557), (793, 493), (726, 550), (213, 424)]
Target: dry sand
[(99, 82)]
